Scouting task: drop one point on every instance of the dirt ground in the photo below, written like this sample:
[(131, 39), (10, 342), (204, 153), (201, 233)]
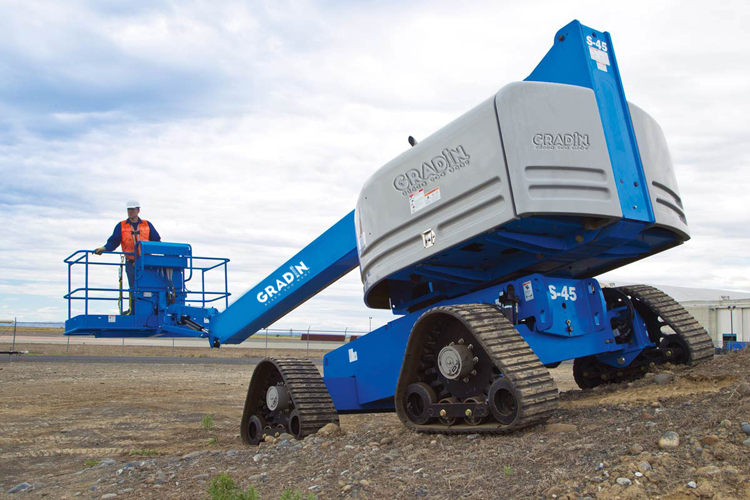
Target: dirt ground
[(123, 430)]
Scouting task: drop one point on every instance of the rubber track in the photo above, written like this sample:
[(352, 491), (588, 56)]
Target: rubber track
[(538, 394), (309, 393), (673, 314)]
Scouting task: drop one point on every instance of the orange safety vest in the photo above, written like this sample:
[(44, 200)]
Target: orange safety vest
[(130, 239)]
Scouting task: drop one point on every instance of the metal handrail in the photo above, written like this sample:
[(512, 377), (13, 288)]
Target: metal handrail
[(222, 260), (143, 289), (84, 252), (81, 257)]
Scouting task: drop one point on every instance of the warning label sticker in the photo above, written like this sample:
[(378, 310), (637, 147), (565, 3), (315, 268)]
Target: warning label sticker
[(420, 199), (110, 319), (601, 58), (528, 291)]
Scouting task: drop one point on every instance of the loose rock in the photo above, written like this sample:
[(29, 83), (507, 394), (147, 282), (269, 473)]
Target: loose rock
[(710, 440), (636, 449), (329, 429), (746, 428), (692, 484), (623, 481), (19, 487), (669, 440), (644, 466), (663, 378)]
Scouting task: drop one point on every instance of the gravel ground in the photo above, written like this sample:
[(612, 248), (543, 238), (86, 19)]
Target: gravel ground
[(141, 425)]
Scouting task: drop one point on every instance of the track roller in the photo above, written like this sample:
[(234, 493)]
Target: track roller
[(285, 395), (503, 401), (419, 399), (467, 370), (443, 413)]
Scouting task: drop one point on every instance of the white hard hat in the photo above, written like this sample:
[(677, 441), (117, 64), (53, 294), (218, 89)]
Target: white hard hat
[(133, 204)]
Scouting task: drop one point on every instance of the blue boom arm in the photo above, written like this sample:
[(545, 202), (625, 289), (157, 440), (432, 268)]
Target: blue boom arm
[(332, 255)]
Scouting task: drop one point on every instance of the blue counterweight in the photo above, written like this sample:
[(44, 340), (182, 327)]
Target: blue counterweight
[(585, 57)]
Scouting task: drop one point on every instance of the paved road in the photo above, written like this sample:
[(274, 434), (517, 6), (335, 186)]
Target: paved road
[(260, 343), (134, 359)]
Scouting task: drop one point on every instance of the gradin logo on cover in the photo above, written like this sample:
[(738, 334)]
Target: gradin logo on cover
[(561, 141), (414, 179)]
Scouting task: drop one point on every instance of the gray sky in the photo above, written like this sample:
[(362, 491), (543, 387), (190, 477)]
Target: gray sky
[(248, 128)]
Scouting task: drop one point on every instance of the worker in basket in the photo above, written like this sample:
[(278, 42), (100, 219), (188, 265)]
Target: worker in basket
[(128, 233)]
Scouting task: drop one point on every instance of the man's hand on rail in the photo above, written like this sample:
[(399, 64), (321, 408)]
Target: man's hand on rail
[(99, 250)]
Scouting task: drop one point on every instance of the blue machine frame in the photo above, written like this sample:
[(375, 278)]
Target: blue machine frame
[(571, 320), (562, 314)]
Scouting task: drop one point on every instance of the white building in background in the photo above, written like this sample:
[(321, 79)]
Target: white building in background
[(725, 314)]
